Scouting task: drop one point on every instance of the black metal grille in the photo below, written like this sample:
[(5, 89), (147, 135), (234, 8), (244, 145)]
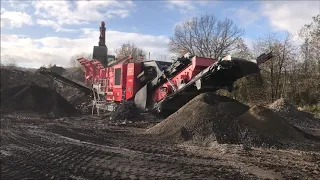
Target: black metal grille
[(117, 77)]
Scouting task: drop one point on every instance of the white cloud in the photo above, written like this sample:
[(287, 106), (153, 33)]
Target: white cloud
[(290, 15), (81, 12), (243, 15), (50, 23), (182, 5), (37, 52), (55, 14), (190, 7), (119, 12), (54, 25), (20, 5), (14, 18), (187, 6)]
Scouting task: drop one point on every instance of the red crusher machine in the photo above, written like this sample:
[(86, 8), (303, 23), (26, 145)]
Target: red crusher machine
[(158, 86)]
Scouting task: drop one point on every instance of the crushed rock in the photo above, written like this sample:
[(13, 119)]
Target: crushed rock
[(33, 98), (269, 123), (294, 116), (228, 121), (81, 101), (125, 111), (203, 116), (13, 77)]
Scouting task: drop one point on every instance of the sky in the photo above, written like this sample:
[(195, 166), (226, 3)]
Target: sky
[(36, 33)]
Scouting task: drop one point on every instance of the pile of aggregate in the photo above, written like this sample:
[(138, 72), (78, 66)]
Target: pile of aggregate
[(228, 121), (13, 77), (203, 116), (14, 80), (81, 101), (294, 116), (125, 111), (33, 98)]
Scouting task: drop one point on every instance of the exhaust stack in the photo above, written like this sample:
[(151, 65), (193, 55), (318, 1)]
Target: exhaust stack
[(100, 52), (102, 38)]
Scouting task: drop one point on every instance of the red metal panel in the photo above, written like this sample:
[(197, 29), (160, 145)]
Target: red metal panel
[(132, 83), (97, 64), (119, 88), (161, 92), (202, 61), (89, 74), (198, 64), (110, 76), (92, 68)]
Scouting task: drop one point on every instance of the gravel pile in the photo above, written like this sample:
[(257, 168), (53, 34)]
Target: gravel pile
[(14, 80), (295, 117), (33, 98), (267, 128), (82, 102), (201, 117), (13, 77), (228, 121), (125, 111)]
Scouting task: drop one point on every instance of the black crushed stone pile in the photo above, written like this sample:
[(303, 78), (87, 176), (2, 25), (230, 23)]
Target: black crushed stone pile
[(81, 102), (269, 129), (228, 121), (33, 98), (294, 116), (13, 77), (203, 116), (126, 111), (14, 80)]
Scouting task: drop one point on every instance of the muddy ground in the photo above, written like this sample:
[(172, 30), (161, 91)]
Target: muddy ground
[(88, 147)]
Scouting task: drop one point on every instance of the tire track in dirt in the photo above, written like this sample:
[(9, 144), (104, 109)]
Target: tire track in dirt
[(62, 155)]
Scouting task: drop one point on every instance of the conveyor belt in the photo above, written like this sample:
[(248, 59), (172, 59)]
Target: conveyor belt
[(227, 71), (65, 80)]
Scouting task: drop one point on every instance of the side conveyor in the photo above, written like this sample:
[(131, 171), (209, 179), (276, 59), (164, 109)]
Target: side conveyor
[(65, 80), (221, 74)]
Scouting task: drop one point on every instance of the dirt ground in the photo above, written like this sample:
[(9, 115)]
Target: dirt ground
[(88, 147)]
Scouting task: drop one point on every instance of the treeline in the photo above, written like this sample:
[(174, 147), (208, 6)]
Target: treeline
[(293, 73)]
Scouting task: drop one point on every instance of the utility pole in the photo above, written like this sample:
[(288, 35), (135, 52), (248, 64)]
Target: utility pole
[(149, 56)]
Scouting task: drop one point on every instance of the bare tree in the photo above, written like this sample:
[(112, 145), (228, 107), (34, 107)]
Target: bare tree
[(10, 63), (241, 50), (292, 73), (130, 49), (310, 49), (274, 70), (205, 36), (309, 92)]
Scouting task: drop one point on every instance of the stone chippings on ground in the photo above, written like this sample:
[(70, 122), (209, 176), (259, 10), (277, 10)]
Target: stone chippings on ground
[(298, 118), (229, 121), (211, 137)]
